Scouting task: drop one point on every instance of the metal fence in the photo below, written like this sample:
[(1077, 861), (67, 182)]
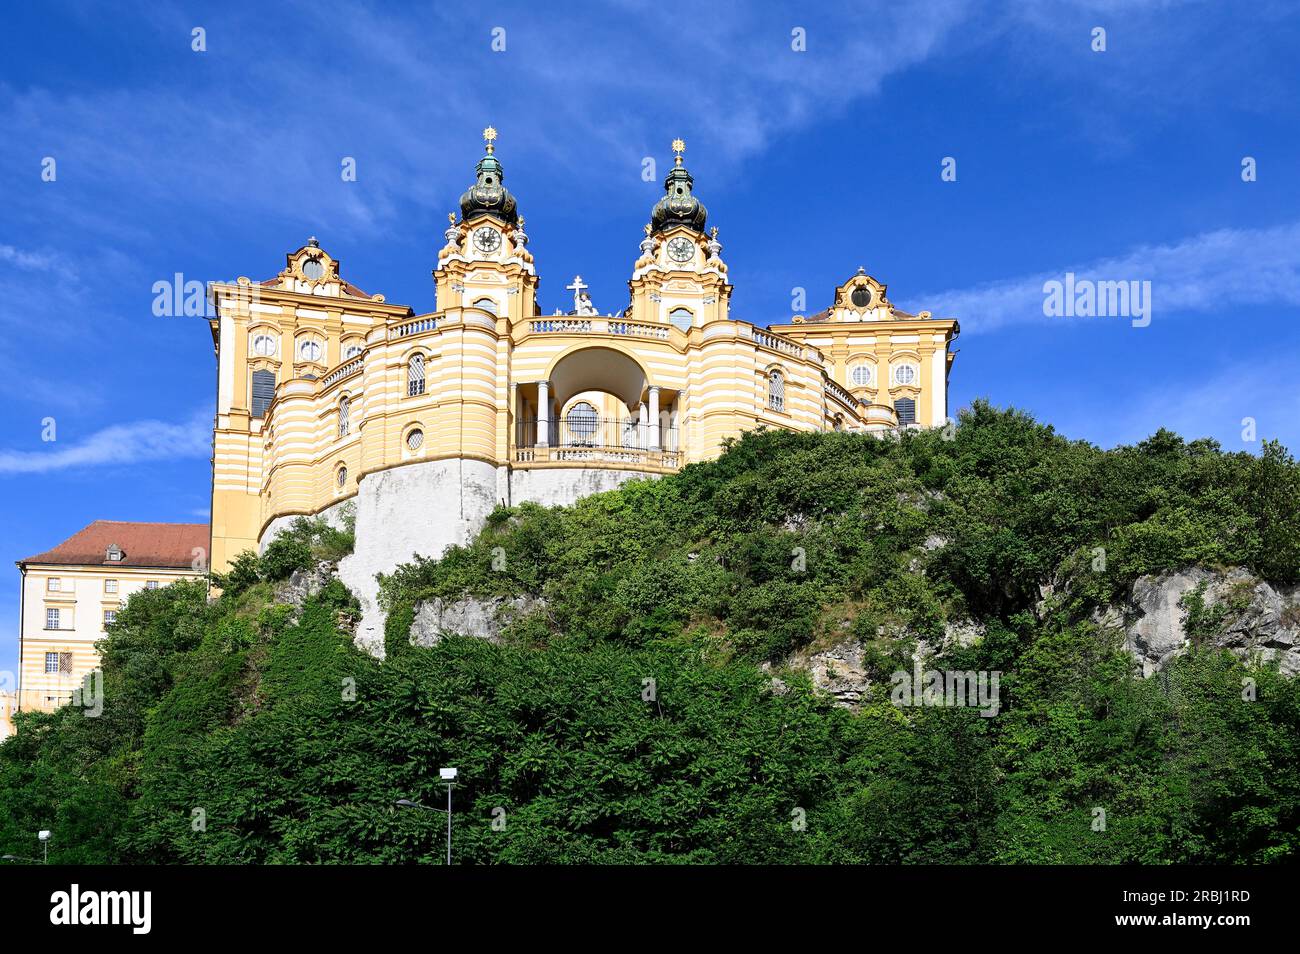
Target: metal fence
[(579, 430)]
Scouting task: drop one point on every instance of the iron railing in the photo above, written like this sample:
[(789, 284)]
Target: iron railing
[(577, 430)]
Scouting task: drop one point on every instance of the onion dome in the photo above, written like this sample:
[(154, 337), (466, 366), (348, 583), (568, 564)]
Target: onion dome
[(678, 206), (487, 194)]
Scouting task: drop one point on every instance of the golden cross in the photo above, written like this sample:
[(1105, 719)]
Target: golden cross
[(679, 147), (489, 136)]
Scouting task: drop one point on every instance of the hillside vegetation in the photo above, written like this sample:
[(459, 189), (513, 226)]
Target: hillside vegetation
[(634, 716)]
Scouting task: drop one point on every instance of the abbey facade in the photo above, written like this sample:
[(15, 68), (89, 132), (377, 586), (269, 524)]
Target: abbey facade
[(329, 397)]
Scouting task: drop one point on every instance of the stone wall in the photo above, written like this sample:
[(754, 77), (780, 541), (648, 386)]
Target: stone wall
[(427, 507)]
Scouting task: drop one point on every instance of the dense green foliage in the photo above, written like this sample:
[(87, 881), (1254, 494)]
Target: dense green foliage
[(630, 721)]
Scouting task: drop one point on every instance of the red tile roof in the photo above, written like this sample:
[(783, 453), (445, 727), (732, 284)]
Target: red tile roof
[(142, 544)]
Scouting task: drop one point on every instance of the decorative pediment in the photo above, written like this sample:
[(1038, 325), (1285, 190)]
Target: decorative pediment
[(860, 294)]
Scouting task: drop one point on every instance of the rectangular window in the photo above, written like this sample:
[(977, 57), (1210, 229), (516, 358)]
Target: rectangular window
[(54, 584), (110, 586), (51, 619), (51, 662), (906, 408), (110, 616), (151, 584), (263, 391), (65, 662)]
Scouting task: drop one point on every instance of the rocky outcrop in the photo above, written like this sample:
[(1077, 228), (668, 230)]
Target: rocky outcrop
[(840, 670), (303, 584), (482, 618), (1253, 619)]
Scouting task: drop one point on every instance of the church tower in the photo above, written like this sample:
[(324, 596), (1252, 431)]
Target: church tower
[(485, 263), (679, 278)]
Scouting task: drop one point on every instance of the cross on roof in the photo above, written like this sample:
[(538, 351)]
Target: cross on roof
[(577, 288)]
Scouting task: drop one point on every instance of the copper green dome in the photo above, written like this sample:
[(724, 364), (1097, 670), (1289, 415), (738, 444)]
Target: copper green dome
[(487, 194), (679, 205)]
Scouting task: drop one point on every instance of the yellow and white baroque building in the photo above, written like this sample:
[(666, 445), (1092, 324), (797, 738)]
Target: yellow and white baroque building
[(426, 422)]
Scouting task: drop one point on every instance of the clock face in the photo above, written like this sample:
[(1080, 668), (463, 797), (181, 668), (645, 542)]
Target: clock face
[(681, 249), (487, 239)]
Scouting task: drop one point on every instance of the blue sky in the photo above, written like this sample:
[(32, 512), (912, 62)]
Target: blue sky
[(1118, 165)]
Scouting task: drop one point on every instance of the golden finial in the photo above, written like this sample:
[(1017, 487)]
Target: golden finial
[(521, 222), (489, 137), (679, 147), (451, 217), (646, 229)]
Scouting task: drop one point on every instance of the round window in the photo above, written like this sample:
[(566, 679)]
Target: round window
[(309, 350), (861, 296), (264, 346), (415, 439), (861, 376), (581, 419), (313, 268), (905, 374)]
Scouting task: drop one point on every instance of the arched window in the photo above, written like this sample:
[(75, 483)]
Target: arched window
[(776, 390), (487, 304), (263, 391), (345, 411), (415, 375), (682, 318), (581, 421), (351, 351), (905, 374), (341, 476), (906, 409), (414, 439), (861, 376), (263, 346), (309, 350)]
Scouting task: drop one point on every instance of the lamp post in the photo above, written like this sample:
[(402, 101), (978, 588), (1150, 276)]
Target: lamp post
[(448, 775), (44, 836)]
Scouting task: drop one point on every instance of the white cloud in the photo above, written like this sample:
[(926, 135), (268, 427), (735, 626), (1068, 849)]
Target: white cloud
[(1215, 270), (1212, 407), (118, 445)]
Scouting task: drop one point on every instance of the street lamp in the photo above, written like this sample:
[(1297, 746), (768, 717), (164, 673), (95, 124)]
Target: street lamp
[(448, 775)]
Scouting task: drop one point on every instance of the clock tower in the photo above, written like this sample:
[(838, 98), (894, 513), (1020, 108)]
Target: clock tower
[(485, 263), (679, 278)]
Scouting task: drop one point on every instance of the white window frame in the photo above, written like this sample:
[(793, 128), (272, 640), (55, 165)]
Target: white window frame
[(54, 585), (867, 369), (52, 616), (345, 415), (306, 343), (110, 586), (151, 584), (51, 663), (910, 369), (415, 383), (776, 390), (270, 340)]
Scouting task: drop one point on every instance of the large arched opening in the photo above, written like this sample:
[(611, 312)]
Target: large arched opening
[(596, 399)]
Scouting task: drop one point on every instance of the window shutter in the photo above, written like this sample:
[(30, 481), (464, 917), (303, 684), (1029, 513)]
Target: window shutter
[(65, 662), (906, 408), (263, 391)]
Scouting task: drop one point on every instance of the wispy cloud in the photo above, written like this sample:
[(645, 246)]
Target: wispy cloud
[(121, 444), (1215, 270), (1217, 406)]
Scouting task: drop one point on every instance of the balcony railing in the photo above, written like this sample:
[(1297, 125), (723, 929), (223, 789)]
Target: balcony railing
[(597, 441)]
